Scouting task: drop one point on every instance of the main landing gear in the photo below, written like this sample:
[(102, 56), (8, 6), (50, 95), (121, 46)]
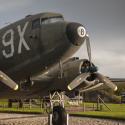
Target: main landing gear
[(58, 115)]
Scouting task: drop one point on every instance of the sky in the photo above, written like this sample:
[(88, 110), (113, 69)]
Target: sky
[(103, 19)]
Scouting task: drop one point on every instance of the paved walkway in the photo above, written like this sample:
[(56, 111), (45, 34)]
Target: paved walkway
[(24, 119)]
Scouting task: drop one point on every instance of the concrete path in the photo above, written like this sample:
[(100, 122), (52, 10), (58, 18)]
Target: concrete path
[(24, 119)]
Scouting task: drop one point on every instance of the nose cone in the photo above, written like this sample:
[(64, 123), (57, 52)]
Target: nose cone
[(76, 33)]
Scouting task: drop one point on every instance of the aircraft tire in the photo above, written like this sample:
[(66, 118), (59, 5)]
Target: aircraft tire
[(59, 116)]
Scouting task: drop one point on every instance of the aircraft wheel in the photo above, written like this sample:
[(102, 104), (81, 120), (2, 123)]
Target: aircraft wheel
[(59, 116)]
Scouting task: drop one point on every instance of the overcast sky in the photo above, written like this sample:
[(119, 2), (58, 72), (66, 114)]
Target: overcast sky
[(103, 19)]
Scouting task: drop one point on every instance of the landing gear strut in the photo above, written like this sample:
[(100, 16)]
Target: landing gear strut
[(59, 115)]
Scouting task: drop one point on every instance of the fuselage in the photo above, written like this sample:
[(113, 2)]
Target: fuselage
[(34, 44)]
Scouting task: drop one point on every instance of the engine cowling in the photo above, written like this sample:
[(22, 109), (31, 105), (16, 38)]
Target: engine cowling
[(72, 69)]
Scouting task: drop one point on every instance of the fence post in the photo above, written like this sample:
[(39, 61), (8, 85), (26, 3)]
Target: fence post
[(30, 105), (98, 103)]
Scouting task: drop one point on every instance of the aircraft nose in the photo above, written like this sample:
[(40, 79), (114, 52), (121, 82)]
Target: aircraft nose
[(75, 33)]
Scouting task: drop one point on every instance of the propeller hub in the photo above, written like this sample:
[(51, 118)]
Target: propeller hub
[(87, 66)]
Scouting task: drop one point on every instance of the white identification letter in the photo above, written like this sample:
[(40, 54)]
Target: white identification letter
[(22, 41), (10, 51)]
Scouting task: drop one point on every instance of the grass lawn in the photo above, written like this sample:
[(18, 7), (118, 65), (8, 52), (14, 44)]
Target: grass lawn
[(22, 110), (113, 115), (117, 112), (15, 109)]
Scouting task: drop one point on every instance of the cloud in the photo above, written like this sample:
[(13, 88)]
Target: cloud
[(110, 63), (13, 10), (107, 54), (6, 5), (105, 22)]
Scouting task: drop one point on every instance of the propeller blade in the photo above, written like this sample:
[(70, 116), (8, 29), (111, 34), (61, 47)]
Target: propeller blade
[(8, 81), (95, 87), (78, 80), (106, 81), (89, 84), (88, 48)]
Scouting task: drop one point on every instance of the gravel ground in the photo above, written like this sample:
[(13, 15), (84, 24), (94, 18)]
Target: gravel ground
[(93, 121), (23, 119)]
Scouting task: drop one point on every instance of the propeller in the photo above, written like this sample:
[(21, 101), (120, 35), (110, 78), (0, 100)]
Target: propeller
[(100, 77), (88, 48), (101, 81), (82, 77)]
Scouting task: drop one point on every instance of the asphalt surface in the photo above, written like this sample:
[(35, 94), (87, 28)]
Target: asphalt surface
[(26, 119)]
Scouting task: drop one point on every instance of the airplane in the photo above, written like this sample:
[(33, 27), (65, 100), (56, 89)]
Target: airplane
[(36, 61)]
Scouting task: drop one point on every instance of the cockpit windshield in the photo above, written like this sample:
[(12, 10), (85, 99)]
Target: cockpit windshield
[(51, 20)]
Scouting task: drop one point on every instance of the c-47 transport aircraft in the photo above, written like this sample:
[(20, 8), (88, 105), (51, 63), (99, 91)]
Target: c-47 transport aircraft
[(35, 61)]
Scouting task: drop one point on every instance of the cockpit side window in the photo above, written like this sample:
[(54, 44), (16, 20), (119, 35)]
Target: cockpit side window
[(36, 23), (51, 20)]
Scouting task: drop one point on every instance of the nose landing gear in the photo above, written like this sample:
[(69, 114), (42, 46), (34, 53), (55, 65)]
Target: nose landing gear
[(58, 115)]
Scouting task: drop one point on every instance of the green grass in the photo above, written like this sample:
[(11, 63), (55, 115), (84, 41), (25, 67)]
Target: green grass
[(112, 115), (117, 112), (15, 109), (113, 107), (3, 102), (22, 110)]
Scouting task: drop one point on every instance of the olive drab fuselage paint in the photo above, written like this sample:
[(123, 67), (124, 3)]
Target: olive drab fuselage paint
[(8, 45), (27, 48), (33, 45)]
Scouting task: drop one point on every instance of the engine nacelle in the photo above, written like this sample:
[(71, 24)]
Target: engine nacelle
[(72, 69)]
